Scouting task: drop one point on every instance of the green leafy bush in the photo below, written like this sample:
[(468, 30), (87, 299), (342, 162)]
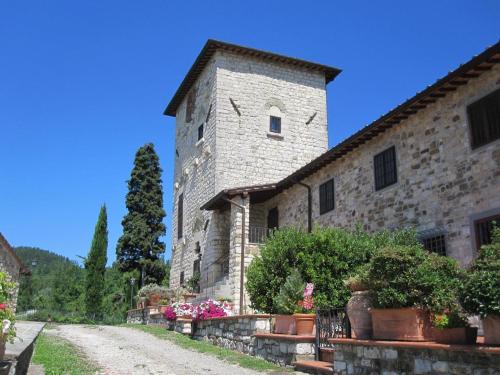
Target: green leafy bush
[(481, 289), (324, 257), (409, 276)]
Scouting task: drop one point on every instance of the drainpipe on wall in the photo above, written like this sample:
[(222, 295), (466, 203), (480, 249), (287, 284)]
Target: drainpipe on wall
[(309, 205), (242, 257)]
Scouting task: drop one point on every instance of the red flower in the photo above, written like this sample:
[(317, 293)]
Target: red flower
[(3, 306)]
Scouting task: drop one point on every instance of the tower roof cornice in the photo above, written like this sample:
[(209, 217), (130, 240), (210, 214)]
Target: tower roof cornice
[(212, 46)]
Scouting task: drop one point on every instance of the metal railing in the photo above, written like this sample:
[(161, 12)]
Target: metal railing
[(330, 323), (257, 234)]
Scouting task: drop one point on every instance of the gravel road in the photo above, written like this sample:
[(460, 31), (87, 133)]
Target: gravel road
[(124, 351)]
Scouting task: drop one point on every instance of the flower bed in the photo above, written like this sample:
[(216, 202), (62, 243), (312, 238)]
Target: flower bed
[(205, 310)]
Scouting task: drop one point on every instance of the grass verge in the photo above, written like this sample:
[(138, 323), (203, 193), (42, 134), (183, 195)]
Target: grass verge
[(59, 357), (227, 355)]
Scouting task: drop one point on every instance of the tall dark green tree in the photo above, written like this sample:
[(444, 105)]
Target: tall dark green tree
[(139, 247), (95, 267)]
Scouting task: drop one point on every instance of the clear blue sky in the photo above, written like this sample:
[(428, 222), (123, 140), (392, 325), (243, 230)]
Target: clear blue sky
[(83, 84)]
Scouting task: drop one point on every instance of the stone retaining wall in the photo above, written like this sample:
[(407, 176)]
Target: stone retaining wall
[(393, 358), (283, 350), (149, 315), (234, 332)]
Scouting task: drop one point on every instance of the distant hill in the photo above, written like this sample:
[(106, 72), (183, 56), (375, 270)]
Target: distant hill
[(56, 283), (39, 260)]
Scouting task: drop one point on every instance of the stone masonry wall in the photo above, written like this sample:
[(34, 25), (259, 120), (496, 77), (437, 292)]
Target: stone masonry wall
[(247, 153), (442, 182), (398, 360), (194, 174), (235, 333)]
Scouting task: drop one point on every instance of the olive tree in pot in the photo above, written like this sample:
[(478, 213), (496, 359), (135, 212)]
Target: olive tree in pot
[(480, 294), (295, 297), (407, 284), (359, 305)]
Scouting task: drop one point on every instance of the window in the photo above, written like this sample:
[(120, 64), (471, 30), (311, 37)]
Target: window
[(197, 247), (484, 119), (272, 218), (275, 124), (180, 215), (385, 168), (326, 197), (200, 132), (181, 279), (435, 244), (484, 229)]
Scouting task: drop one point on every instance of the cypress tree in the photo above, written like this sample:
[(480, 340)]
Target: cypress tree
[(139, 247), (95, 266)]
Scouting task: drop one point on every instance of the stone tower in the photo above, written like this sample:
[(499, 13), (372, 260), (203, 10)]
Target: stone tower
[(244, 118)]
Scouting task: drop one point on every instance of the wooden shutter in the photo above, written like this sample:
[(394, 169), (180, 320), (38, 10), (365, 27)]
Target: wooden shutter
[(180, 215), (385, 171), (326, 196), (484, 119)]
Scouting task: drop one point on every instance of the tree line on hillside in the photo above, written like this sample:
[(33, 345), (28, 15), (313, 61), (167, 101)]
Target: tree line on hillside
[(61, 290)]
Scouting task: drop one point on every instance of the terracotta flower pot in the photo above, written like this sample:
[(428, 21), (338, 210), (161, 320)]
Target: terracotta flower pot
[(163, 308), (304, 324), (491, 328), (455, 336), (285, 324), (153, 300), (407, 324), (359, 314)]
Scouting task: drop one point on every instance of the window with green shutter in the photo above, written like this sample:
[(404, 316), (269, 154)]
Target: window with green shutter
[(384, 165), (484, 119), (326, 197)]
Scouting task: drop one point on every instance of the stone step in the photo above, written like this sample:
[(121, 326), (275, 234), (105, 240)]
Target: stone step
[(326, 354), (314, 367)]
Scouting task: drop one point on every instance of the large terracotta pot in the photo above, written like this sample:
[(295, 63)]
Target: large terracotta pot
[(285, 324), (408, 324), (458, 336), (304, 324), (491, 328), (359, 314), (153, 299)]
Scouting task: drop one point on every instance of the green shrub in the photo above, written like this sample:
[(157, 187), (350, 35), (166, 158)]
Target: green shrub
[(324, 257), (409, 276), (481, 289)]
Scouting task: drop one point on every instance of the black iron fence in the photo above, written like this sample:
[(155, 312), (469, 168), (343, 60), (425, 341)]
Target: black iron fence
[(330, 323)]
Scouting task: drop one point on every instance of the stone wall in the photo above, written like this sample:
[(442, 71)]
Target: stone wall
[(442, 182), (149, 315), (236, 333), (369, 357), (283, 350)]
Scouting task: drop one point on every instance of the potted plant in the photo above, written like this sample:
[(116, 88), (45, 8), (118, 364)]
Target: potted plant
[(452, 327), (192, 287), (480, 294), (286, 304), (359, 305), (407, 283), (7, 317), (152, 294)]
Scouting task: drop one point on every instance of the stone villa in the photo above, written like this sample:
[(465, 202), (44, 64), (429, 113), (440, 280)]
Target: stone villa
[(251, 155)]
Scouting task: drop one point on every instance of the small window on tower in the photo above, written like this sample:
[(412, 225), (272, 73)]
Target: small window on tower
[(275, 124), (181, 279), (200, 132)]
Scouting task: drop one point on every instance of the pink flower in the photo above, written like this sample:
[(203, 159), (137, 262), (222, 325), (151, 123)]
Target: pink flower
[(308, 291), (3, 306)]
